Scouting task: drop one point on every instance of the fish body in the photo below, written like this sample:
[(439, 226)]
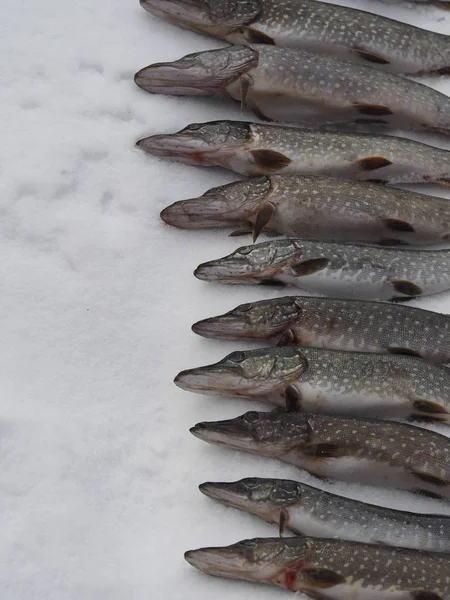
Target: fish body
[(340, 31), (316, 380), (364, 451), (307, 510), (258, 149), (354, 325), (318, 208), (332, 269), (331, 569), (282, 84)]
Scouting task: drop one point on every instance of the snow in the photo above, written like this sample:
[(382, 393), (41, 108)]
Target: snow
[(99, 473)]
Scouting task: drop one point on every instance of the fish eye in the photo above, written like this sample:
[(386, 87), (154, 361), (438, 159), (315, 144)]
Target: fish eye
[(251, 482), (237, 357), (251, 417)]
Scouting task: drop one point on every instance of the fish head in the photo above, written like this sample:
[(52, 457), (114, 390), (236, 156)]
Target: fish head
[(259, 496), (266, 319), (259, 559), (231, 204), (264, 433), (198, 74), (212, 143), (255, 264), (247, 373), (218, 18)]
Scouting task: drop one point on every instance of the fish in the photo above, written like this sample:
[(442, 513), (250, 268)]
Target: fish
[(330, 569), (354, 450), (282, 84), (334, 323), (318, 380), (310, 511), (342, 270), (318, 208), (254, 149), (340, 31)]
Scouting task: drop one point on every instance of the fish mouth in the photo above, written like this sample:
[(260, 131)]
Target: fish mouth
[(230, 494), (220, 561), (223, 327), (211, 378), (227, 433), (225, 270), (177, 78), (199, 213)]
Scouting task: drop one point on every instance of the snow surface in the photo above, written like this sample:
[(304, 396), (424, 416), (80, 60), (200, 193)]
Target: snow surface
[(99, 473)]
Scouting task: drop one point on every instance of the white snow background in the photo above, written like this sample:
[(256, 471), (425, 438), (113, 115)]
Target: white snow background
[(99, 473)]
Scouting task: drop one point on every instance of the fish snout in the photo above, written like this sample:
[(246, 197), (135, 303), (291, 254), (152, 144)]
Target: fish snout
[(199, 213), (220, 327), (225, 269), (217, 561), (177, 78)]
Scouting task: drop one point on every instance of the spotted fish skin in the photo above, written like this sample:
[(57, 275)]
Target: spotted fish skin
[(329, 381), (339, 31), (281, 84), (257, 149), (364, 451), (307, 510), (341, 270), (330, 569), (318, 208), (354, 325)]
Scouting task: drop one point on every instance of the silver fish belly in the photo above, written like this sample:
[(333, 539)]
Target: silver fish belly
[(330, 569), (341, 270), (318, 208), (339, 31), (364, 451), (282, 84), (307, 510), (354, 325), (257, 149), (317, 380)]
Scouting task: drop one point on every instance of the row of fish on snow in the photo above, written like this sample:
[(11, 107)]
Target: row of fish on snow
[(343, 370)]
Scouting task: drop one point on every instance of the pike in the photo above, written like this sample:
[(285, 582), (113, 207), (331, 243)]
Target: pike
[(307, 510), (316, 380), (340, 31), (354, 325), (332, 269), (364, 451), (281, 84), (330, 569), (318, 208), (257, 149)]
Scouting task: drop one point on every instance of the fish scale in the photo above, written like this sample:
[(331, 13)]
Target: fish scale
[(258, 149), (354, 325), (307, 510), (341, 31), (365, 451), (282, 84), (318, 380), (331, 569), (341, 270)]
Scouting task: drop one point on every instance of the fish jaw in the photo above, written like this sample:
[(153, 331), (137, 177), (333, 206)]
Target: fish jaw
[(250, 264), (227, 205), (253, 373), (217, 18), (213, 143), (261, 560), (199, 74), (258, 320)]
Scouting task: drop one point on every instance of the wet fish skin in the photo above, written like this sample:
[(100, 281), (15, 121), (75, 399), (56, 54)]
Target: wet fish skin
[(330, 569), (318, 208), (354, 325), (339, 31), (318, 380), (363, 451), (307, 510), (341, 270), (282, 84), (256, 149)]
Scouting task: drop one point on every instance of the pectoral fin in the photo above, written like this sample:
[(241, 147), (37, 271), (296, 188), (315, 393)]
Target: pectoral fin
[(245, 81), (374, 110), (309, 266), (371, 56), (262, 219), (283, 520), (425, 595), (293, 399), (270, 160), (286, 339), (322, 452), (429, 406), (431, 479), (398, 225), (253, 36), (404, 351), (408, 288), (371, 163), (321, 578)]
